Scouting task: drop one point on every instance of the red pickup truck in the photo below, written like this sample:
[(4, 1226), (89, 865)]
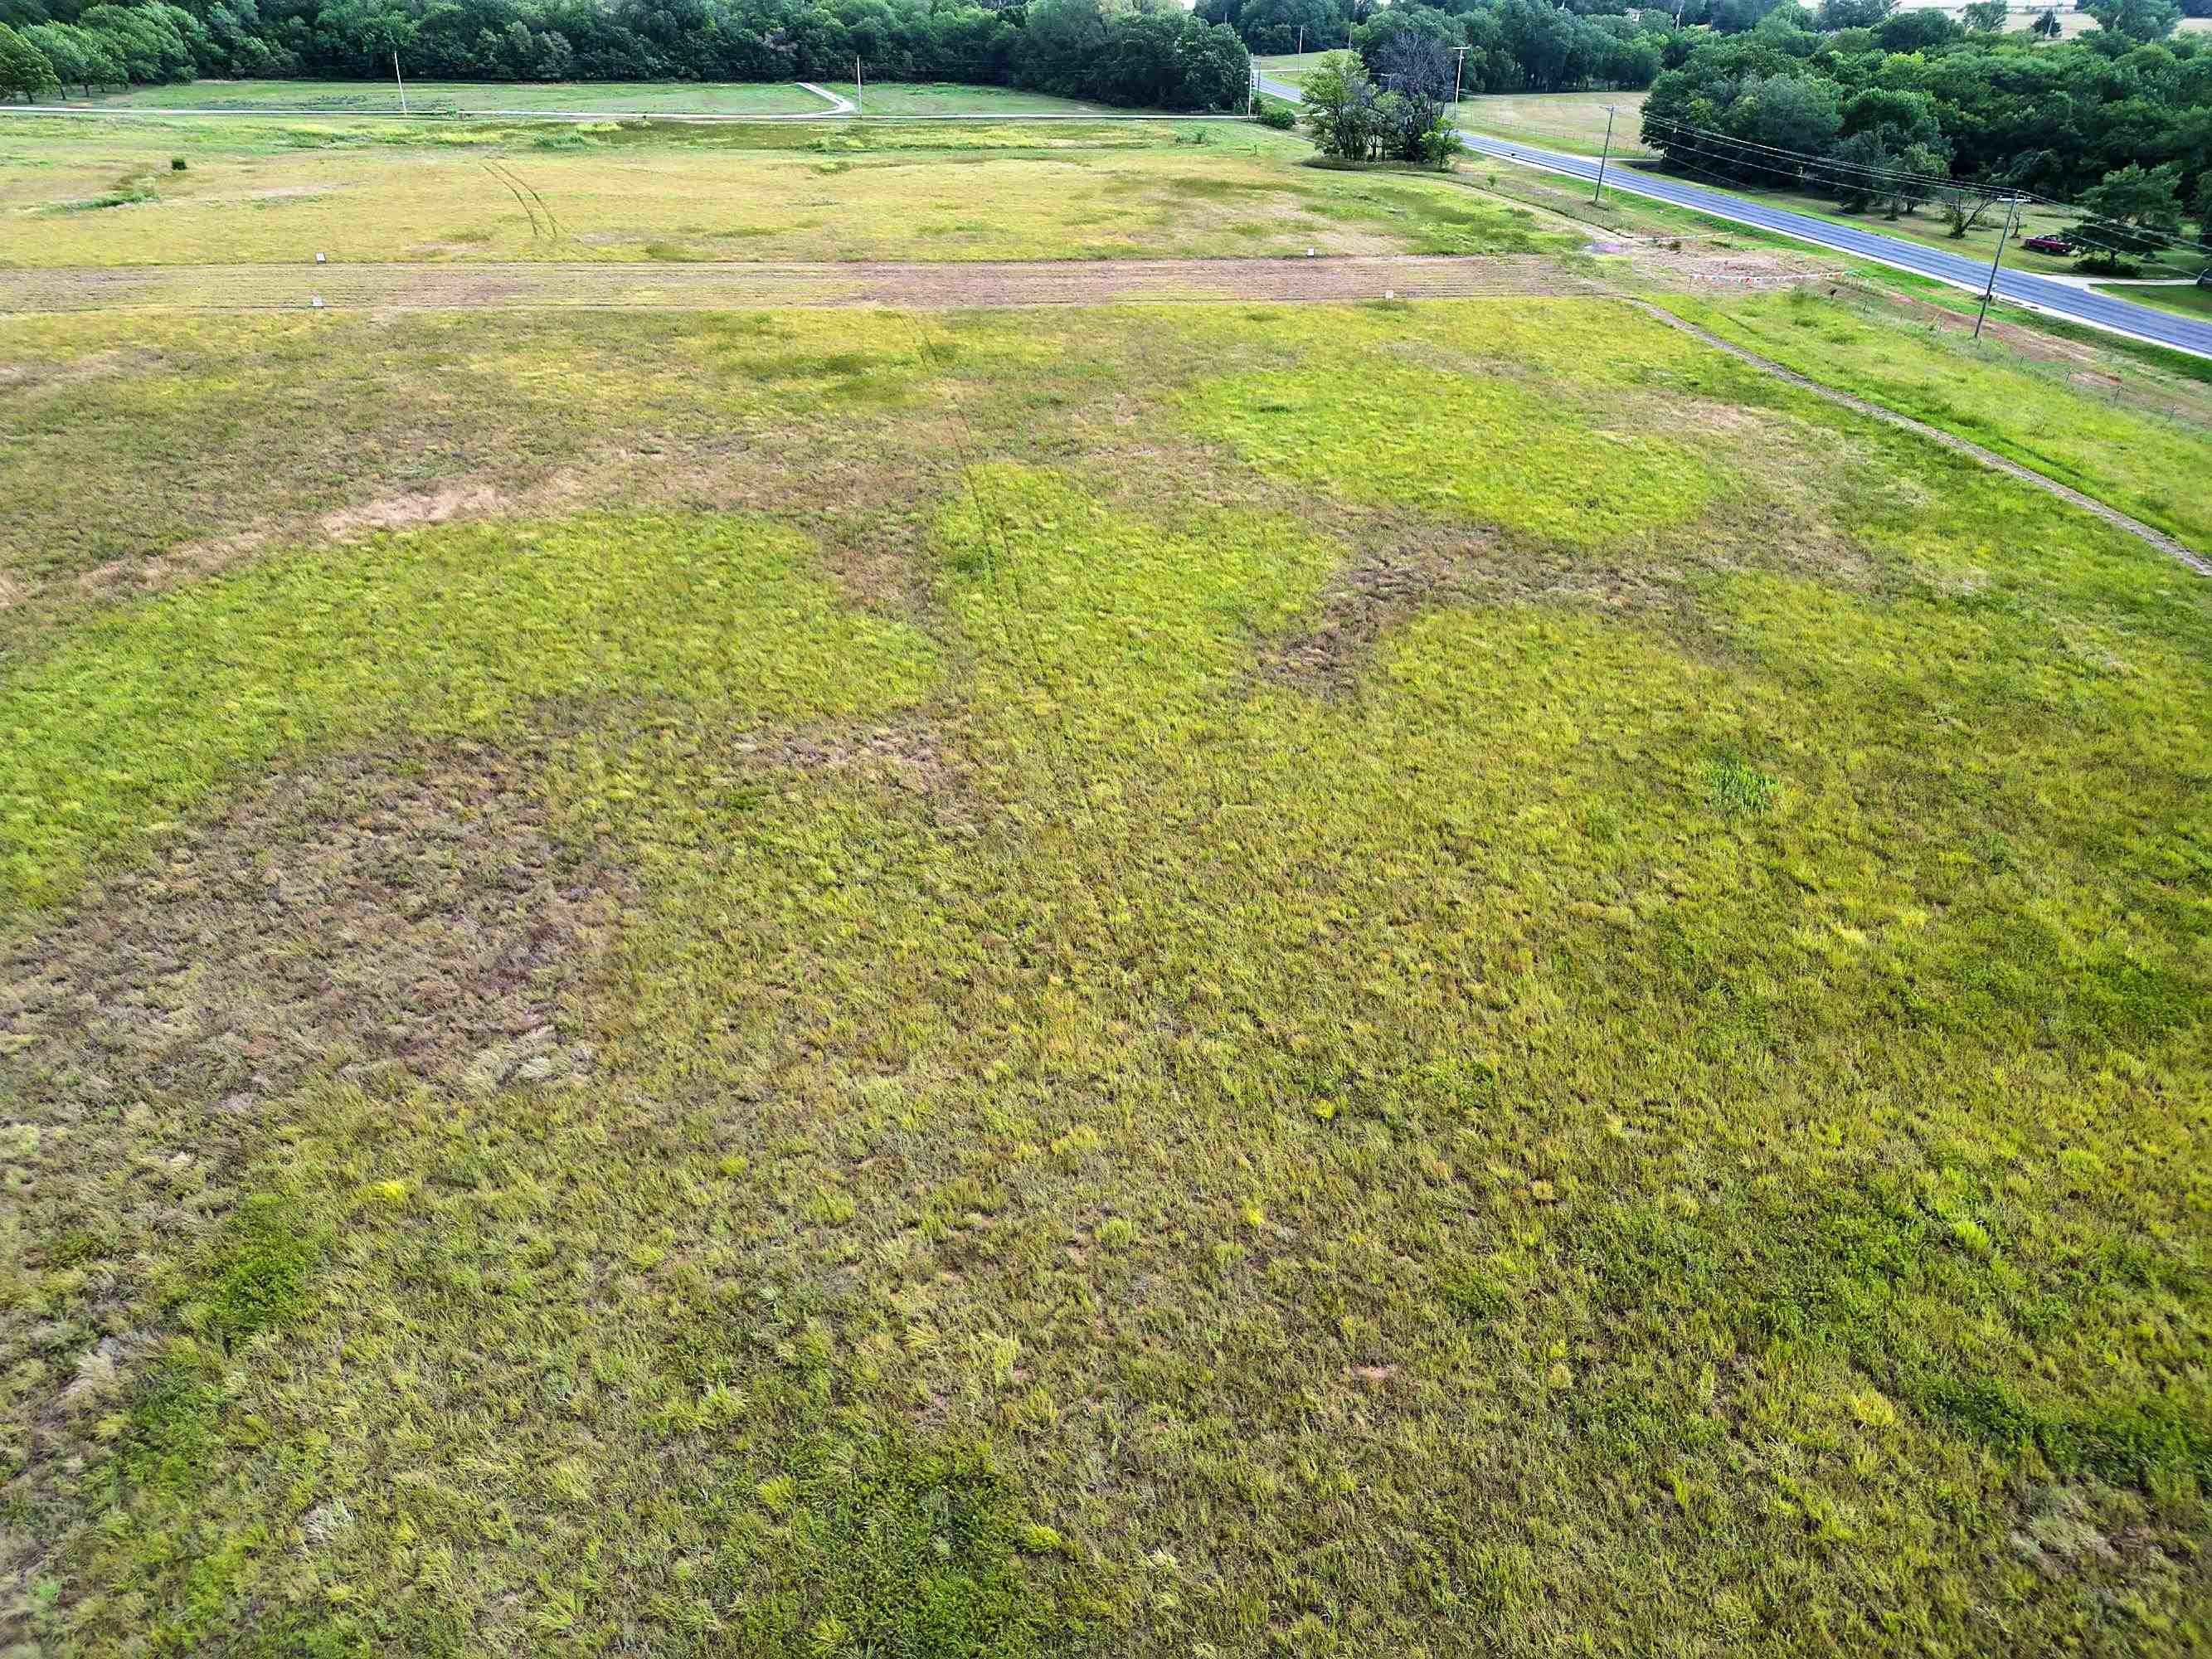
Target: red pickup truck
[(2048, 244)]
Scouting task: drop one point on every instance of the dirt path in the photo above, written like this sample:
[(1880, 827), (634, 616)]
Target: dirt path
[(2111, 515), (741, 286)]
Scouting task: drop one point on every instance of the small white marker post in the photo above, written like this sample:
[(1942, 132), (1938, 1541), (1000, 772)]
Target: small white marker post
[(395, 76)]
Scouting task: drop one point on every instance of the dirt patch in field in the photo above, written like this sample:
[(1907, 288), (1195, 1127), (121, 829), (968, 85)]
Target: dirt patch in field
[(865, 516), (717, 285), (910, 755), (1385, 590), (388, 910), (1682, 262), (387, 921), (411, 511), (155, 573), (35, 378)]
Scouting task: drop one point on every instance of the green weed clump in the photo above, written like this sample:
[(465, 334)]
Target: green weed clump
[(136, 719), (1476, 440)]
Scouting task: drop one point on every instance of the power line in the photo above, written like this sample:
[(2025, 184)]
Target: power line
[(2139, 242), (1806, 162)]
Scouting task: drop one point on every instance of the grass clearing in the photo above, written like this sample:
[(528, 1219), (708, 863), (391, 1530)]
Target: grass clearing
[(1292, 67), (926, 98), (1570, 121), (286, 191), (843, 1052), (2048, 415)]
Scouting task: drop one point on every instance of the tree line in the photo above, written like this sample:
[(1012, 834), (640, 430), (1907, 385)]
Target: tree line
[(1133, 53), (1889, 109), (1512, 45)]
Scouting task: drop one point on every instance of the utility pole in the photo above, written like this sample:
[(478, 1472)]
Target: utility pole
[(1301, 39), (1459, 63), (395, 76), (1603, 155), (1989, 293)]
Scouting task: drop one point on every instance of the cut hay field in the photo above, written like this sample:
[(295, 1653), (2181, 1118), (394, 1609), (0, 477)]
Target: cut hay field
[(74, 193), (1226, 979)]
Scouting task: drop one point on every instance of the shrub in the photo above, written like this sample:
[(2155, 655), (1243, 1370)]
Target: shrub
[(1279, 116)]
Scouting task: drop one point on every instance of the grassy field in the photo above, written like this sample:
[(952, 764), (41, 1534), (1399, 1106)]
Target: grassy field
[(432, 97), (1570, 121), (588, 97), (2143, 461), (1207, 980), (2191, 301), (915, 97), (1291, 66), (75, 193)]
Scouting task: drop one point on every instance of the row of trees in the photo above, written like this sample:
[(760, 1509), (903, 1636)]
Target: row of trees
[(1133, 53), (1282, 25), (1513, 45), (1885, 109)]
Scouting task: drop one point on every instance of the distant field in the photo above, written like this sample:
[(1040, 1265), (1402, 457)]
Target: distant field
[(1292, 67), (103, 193), (426, 97), (597, 97), (1571, 121), (940, 98)]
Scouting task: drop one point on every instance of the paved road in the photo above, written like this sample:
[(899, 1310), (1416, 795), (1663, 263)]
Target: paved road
[(2054, 299)]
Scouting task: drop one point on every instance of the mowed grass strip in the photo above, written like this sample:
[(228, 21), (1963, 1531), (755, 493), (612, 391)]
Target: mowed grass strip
[(1655, 1110), (2143, 460)]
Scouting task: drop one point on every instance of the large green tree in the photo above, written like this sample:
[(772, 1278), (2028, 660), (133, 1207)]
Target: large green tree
[(23, 67), (2134, 214), (2139, 20)]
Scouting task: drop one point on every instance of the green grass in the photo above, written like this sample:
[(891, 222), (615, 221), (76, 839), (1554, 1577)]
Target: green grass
[(923, 98), (2191, 301), (1571, 121), (1290, 66), (2140, 460), (280, 191), (445, 635), (1150, 981)]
